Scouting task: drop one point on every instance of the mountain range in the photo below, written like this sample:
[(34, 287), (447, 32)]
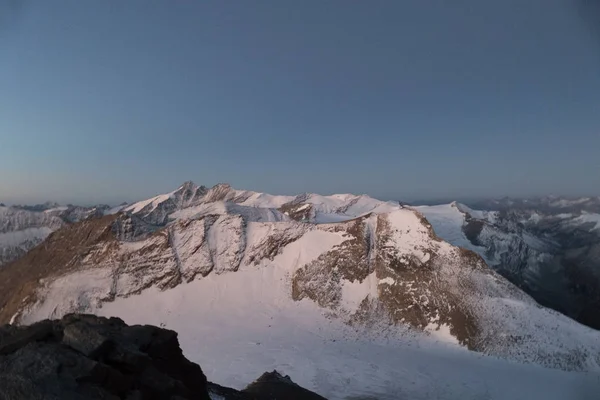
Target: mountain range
[(549, 247), (308, 283), (24, 227)]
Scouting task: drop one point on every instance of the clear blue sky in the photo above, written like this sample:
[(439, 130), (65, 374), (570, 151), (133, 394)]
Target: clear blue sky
[(106, 101)]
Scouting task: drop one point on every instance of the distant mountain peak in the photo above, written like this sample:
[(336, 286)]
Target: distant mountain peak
[(38, 207), (188, 185)]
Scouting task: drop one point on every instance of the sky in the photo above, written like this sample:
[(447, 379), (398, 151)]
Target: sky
[(111, 101)]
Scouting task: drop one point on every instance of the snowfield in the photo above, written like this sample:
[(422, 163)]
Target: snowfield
[(238, 325), (447, 221), (590, 218)]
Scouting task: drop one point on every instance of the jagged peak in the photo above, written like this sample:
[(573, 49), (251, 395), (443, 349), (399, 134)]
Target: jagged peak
[(222, 186), (190, 186), (220, 192), (187, 185)]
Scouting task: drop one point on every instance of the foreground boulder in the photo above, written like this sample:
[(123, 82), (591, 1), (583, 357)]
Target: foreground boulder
[(83, 356), (89, 357)]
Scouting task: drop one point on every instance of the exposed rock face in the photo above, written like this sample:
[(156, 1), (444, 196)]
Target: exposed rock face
[(89, 357), (299, 211), (155, 211)]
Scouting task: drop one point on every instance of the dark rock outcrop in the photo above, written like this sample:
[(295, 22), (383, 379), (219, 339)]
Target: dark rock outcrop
[(273, 385), (270, 386), (89, 357), (83, 356)]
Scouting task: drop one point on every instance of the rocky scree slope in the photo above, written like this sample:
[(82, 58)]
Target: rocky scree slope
[(384, 270), (551, 252), (90, 357)]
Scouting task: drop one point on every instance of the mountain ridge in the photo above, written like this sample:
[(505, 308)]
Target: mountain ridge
[(290, 272), (377, 261)]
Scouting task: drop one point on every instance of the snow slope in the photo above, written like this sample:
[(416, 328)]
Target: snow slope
[(591, 218), (257, 214), (240, 324), (447, 221)]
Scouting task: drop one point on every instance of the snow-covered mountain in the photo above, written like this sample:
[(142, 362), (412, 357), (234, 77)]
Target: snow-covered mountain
[(296, 283), (38, 207), (72, 213), (24, 227), (189, 200), (545, 204), (551, 250), (21, 230)]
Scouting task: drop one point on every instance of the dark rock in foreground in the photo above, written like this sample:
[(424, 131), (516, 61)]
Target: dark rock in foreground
[(270, 386), (276, 386), (90, 357)]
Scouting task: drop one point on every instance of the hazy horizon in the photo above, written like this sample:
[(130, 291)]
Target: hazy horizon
[(105, 102)]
